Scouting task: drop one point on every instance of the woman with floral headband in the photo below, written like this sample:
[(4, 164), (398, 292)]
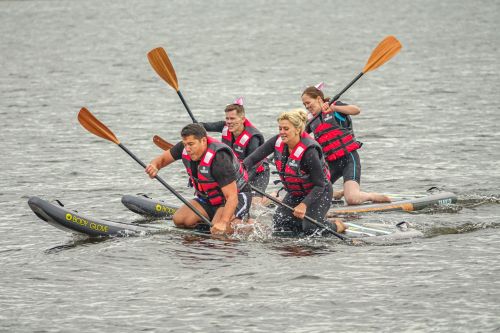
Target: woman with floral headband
[(243, 137), (331, 126)]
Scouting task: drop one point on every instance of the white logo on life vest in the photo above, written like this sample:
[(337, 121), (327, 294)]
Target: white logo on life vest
[(238, 149), (204, 169), (328, 117), (208, 157), (293, 163), (298, 151), (244, 139)]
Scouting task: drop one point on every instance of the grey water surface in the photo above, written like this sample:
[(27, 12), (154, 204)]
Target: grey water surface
[(430, 117)]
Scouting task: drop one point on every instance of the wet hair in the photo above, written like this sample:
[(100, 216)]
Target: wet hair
[(314, 93), (297, 118), (240, 110), (195, 130)]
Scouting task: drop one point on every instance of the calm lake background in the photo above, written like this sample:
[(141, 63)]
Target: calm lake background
[(430, 117)]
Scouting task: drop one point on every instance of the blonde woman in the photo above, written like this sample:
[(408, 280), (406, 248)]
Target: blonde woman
[(303, 172)]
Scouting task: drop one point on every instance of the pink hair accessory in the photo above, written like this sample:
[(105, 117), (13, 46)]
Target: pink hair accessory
[(320, 86), (239, 101)]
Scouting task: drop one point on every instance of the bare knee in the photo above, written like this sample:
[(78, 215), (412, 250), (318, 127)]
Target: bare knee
[(178, 220), (352, 199), (185, 220), (352, 193)]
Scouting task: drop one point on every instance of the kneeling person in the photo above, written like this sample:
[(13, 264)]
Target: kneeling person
[(303, 173), (220, 182)]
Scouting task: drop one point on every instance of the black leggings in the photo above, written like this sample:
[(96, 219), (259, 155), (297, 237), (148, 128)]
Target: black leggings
[(284, 220)]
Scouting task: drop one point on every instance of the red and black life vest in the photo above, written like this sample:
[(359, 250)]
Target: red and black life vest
[(205, 185), (240, 144), (295, 181), (335, 140)]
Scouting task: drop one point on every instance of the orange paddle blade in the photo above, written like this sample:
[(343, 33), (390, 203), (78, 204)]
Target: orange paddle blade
[(160, 62), (94, 126), (384, 51), (162, 143)]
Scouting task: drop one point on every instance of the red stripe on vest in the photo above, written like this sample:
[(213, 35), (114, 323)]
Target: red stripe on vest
[(294, 180), (240, 144), (335, 140)]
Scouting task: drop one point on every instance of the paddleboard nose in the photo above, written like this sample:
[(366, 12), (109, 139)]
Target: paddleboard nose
[(35, 204)]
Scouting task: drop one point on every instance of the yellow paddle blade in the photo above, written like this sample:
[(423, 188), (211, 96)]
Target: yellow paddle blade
[(94, 126), (158, 59), (384, 51), (162, 143)]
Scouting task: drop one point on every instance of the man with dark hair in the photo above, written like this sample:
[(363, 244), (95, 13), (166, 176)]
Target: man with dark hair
[(219, 180)]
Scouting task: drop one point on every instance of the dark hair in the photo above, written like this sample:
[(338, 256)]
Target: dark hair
[(195, 130), (240, 110), (314, 92)]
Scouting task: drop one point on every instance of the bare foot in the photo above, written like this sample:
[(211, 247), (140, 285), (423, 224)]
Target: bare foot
[(338, 194), (341, 227), (376, 197)]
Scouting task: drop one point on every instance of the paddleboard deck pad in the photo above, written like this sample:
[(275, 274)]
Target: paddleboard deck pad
[(72, 221)]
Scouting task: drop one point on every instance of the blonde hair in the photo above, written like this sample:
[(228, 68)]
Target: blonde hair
[(297, 117)]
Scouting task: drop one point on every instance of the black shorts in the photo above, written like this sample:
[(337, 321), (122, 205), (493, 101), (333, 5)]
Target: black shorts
[(348, 167), (242, 209), (260, 181)]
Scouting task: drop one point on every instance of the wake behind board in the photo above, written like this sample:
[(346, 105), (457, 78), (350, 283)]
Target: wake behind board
[(75, 222)]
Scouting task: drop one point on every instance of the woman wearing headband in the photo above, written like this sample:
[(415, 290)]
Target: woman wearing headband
[(332, 128)]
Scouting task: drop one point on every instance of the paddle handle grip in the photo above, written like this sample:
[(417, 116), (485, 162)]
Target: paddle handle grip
[(164, 183), (317, 223), (186, 106)]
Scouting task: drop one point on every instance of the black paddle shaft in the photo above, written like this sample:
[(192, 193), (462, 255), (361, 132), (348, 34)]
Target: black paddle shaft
[(336, 97), (164, 183), (345, 89), (186, 106)]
